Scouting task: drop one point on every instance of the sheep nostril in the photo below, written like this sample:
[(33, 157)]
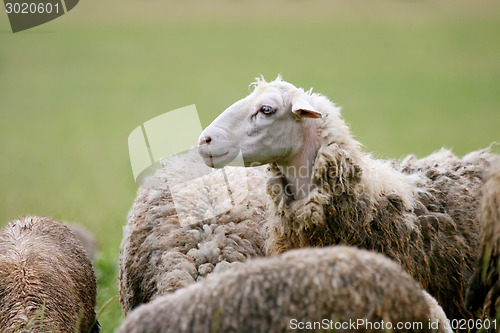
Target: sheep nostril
[(205, 141)]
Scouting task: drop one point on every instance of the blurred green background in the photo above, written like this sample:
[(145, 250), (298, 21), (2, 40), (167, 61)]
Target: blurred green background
[(411, 76)]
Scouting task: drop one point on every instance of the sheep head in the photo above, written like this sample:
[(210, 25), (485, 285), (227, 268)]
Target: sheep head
[(268, 126)]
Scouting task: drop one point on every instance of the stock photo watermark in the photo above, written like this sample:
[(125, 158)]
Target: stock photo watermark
[(388, 326), (26, 14), (169, 143)]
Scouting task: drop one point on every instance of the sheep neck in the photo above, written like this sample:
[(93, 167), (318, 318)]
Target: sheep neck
[(298, 170)]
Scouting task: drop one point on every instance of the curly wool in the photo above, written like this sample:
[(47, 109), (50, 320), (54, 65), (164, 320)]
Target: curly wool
[(47, 283), (162, 251), (340, 283), (484, 289), (421, 213)]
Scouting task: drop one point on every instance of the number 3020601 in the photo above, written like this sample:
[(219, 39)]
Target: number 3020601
[(31, 8)]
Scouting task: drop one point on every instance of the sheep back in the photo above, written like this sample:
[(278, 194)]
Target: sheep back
[(340, 284), (162, 252), (46, 279)]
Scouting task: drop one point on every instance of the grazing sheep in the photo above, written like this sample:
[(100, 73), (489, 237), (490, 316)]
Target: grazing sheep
[(306, 289), (169, 244), (484, 288), (47, 283), (87, 240), (326, 190)]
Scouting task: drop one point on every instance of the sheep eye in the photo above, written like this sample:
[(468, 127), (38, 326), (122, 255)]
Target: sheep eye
[(267, 110)]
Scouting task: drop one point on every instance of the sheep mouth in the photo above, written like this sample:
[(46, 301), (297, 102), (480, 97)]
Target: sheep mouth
[(218, 157), (216, 161)]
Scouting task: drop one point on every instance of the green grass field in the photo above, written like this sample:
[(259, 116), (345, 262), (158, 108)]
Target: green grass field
[(411, 76)]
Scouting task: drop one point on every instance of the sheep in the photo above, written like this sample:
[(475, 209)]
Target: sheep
[(326, 190), (87, 240), (306, 289), (483, 292), (169, 244), (47, 283)]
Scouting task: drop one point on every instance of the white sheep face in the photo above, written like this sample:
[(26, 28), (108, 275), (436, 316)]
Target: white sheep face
[(266, 126)]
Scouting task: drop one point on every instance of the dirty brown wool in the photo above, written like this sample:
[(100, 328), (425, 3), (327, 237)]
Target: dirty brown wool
[(435, 240), (308, 285), (47, 283), (483, 294)]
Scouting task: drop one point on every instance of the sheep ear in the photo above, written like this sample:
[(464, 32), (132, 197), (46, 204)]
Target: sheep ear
[(303, 109)]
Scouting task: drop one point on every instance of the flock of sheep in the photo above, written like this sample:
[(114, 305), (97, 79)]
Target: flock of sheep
[(317, 235)]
